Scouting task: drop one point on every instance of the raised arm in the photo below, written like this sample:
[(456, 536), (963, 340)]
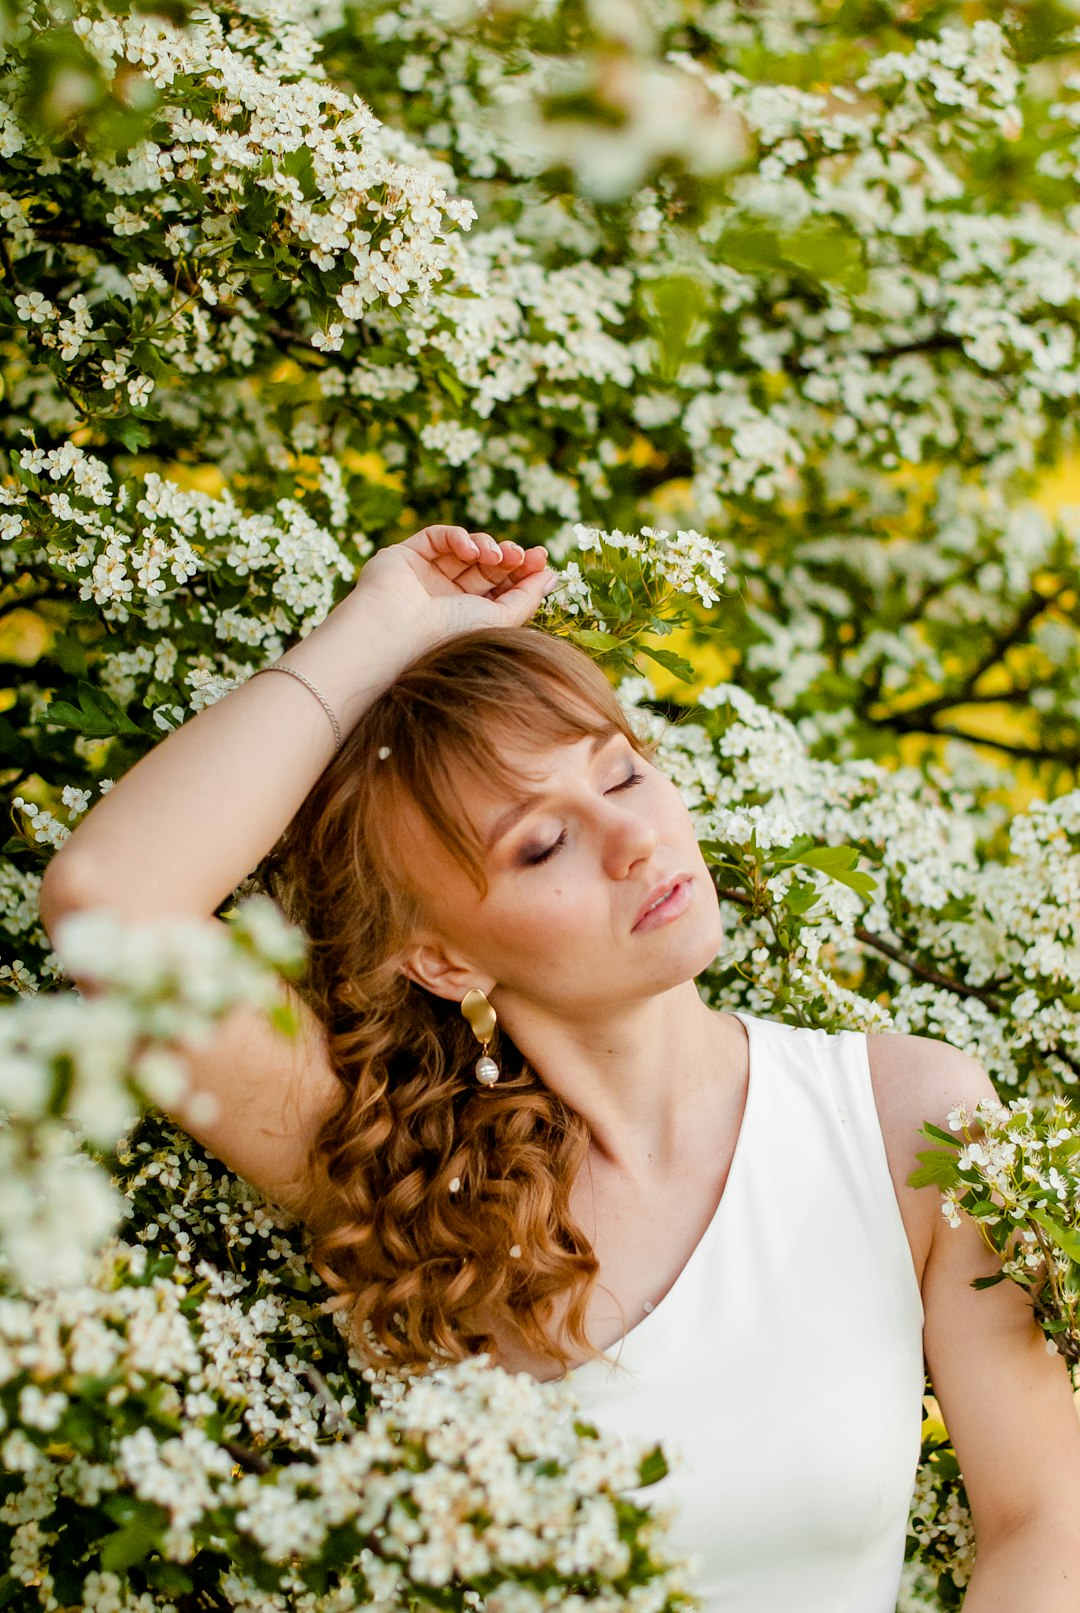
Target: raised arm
[(180, 831)]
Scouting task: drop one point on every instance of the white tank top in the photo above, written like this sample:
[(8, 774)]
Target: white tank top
[(783, 1372)]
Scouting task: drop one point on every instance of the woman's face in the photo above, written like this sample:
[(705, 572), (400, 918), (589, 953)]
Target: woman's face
[(570, 872)]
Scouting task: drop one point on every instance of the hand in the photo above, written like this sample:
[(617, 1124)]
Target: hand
[(444, 580)]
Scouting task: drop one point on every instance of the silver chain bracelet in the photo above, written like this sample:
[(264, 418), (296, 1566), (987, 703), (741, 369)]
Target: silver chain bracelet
[(320, 697)]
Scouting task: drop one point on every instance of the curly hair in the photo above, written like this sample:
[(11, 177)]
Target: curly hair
[(423, 1269)]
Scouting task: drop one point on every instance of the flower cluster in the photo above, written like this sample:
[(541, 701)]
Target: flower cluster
[(941, 1539), (253, 150), (134, 551), (1013, 1169), (620, 586), (191, 1416)]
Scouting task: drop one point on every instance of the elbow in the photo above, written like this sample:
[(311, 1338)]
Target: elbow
[(65, 888)]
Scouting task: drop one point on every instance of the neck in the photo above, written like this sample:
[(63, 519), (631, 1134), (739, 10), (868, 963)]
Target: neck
[(644, 1076)]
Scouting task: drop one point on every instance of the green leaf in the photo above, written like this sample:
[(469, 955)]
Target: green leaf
[(938, 1169), (940, 1136), (1066, 1239), (827, 858), (836, 862), (168, 1577), (750, 249), (300, 165), (801, 898), (669, 661), (653, 1466), (822, 249), (829, 251), (134, 1541), (677, 306), (592, 639), (451, 386), (131, 432), (97, 715)]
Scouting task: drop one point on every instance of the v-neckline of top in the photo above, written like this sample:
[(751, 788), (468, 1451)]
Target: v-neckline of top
[(612, 1351)]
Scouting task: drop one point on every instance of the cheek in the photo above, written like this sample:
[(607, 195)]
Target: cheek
[(547, 909)]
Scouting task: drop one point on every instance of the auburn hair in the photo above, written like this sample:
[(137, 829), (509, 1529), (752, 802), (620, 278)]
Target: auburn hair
[(424, 1270)]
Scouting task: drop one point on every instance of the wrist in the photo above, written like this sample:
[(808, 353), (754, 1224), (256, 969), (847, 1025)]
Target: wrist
[(354, 655)]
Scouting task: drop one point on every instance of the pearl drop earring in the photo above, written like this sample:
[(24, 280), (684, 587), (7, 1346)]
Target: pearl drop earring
[(481, 1017)]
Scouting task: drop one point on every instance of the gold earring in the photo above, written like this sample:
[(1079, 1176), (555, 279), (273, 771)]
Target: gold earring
[(481, 1016)]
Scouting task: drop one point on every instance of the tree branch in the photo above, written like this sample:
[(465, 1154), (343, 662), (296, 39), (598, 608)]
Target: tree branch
[(939, 342), (965, 694), (933, 976), (1068, 756)]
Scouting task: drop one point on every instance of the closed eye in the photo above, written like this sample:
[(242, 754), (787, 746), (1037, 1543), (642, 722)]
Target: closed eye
[(635, 778), (542, 857)]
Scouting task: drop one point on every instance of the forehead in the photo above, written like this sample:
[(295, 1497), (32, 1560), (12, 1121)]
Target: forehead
[(525, 769)]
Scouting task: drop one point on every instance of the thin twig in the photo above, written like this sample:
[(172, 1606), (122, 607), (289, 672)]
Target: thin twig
[(921, 972), (336, 1416)]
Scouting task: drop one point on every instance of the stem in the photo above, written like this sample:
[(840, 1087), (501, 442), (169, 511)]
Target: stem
[(335, 1415), (251, 1461), (1059, 1303), (922, 972)]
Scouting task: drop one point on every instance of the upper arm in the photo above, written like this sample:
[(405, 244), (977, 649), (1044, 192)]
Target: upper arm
[(1006, 1402), (269, 1094), (256, 1095)]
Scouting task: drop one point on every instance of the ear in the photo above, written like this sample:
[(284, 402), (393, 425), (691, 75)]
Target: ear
[(443, 973)]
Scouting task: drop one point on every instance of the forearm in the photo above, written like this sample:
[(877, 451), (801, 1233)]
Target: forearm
[(182, 828), (1036, 1567)]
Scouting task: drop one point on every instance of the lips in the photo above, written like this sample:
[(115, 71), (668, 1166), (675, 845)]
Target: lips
[(658, 895)]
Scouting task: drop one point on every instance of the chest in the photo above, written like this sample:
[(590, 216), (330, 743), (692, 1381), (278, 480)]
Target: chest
[(644, 1236), (643, 1233)]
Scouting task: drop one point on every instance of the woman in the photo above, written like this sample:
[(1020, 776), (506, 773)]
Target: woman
[(702, 1215)]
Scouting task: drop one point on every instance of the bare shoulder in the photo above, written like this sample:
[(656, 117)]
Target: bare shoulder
[(916, 1079)]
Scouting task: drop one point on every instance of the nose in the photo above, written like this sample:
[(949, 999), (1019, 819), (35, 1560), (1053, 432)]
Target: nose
[(628, 839)]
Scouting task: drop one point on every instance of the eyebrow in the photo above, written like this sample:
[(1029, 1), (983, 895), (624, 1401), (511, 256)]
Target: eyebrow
[(506, 820)]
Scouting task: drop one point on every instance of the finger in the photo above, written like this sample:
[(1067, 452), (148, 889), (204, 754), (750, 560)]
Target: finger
[(535, 559), (453, 550), (497, 560), (491, 563), (437, 543), (494, 579), (521, 599)]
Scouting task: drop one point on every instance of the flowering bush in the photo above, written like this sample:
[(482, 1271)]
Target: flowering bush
[(764, 319)]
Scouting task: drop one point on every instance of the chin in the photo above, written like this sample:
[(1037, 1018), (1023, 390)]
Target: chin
[(689, 954)]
